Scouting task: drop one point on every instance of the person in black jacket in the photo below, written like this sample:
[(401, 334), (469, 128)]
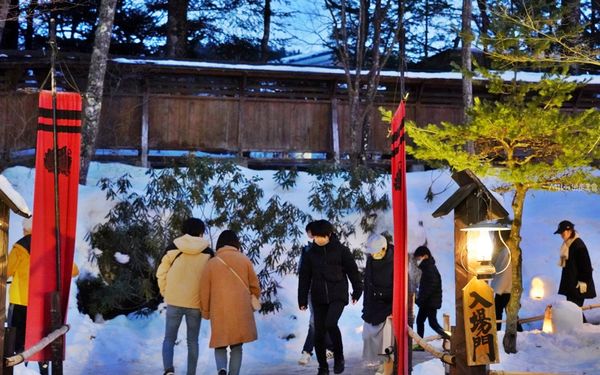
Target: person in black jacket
[(429, 295), (576, 281), (324, 272), (378, 295)]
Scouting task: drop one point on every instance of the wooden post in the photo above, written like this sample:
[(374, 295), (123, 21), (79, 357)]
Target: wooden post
[(335, 130), (471, 203), (4, 218), (470, 211), (144, 135), (240, 124)]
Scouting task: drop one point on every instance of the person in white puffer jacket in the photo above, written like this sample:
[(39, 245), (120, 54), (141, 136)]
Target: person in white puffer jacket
[(178, 278)]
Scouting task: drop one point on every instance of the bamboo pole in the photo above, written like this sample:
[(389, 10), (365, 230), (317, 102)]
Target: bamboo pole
[(21, 357), (541, 317), (444, 357)]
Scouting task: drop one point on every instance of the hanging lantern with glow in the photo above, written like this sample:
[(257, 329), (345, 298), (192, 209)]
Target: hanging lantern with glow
[(480, 246)]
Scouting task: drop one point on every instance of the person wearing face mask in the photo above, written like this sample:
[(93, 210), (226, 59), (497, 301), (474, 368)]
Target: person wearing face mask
[(309, 342), (429, 295), (377, 299), (324, 273), (576, 281)]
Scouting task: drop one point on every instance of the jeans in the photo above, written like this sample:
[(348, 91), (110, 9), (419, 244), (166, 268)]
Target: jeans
[(428, 313), (235, 360), (326, 322), (192, 322)]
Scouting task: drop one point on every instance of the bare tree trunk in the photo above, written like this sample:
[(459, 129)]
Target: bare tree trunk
[(595, 24), (264, 43), (514, 243), (93, 95), (10, 30), (4, 5), (177, 28), (29, 21), (485, 19), (467, 66), (426, 44)]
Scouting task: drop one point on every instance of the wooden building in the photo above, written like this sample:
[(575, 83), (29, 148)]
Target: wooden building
[(156, 108)]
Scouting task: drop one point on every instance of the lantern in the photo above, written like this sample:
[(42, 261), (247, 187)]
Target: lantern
[(480, 245), (537, 288)]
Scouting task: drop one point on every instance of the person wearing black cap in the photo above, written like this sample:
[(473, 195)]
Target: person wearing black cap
[(576, 281)]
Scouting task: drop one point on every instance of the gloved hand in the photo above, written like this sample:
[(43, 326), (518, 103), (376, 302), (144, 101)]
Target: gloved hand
[(582, 287)]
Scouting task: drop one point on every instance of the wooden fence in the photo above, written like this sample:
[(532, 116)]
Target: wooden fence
[(233, 125)]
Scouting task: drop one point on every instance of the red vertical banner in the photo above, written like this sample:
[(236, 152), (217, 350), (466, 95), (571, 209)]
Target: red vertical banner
[(43, 270), (400, 308)]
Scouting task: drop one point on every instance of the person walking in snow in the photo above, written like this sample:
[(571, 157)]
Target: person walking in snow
[(429, 295), (227, 283), (18, 269), (178, 276), (576, 281), (378, 295), (309, 342), (324, 273)]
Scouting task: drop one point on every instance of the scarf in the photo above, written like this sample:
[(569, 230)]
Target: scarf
[(564, 250)]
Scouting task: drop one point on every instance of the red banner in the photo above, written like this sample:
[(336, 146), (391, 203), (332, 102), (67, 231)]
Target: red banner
[(43, 270), (399, 310)]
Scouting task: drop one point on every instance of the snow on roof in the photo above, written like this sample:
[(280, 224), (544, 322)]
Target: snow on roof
[(11, 197), (521, 76)]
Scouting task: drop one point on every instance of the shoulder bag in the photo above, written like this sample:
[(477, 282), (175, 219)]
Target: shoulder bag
[(253, 300)]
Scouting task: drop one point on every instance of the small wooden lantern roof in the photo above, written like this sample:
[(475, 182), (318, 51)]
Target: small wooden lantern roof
[(10, 197), (468, 183)]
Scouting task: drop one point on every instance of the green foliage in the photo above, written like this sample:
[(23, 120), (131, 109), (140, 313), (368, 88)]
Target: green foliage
[(286, 178), (337, 193), (525, 137), (140, 226)]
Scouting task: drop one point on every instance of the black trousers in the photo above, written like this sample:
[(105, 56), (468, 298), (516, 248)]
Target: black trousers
[(17, 318), (326, 322), (500, 302), (429, 313)]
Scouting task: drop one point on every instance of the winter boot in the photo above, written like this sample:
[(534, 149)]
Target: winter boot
[(338, 365), (323, 371)]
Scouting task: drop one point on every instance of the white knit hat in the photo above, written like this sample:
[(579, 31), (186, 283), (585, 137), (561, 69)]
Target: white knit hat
[(375, 243), (27, 224)]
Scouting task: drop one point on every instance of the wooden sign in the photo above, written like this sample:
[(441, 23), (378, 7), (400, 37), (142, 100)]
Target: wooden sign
[(480, 323)]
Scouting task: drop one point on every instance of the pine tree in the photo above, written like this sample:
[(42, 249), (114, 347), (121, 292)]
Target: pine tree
[(527, 140)]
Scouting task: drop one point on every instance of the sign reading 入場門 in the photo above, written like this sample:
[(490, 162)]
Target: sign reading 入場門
[(480, 323)]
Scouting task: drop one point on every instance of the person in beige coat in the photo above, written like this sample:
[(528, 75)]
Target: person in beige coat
[(178, 277), (225, 300)]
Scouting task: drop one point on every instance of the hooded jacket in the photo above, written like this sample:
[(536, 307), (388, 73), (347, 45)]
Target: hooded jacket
[(430, 286), (180, 271), (325, 271)]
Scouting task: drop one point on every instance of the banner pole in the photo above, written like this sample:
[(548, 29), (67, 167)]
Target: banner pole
[(56, 320)]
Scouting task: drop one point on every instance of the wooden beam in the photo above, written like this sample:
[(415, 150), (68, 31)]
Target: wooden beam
[(335, 130), (145, 125)]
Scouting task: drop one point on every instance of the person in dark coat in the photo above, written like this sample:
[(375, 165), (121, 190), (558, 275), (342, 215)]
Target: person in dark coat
[(429, 295), (576, 281), (324, 272), (378, 295), (309, 342)]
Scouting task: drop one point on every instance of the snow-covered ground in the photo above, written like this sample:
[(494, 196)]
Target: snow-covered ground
[(128, 345)]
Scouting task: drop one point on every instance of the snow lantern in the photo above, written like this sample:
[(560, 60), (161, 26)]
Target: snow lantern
[(537, 290)]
